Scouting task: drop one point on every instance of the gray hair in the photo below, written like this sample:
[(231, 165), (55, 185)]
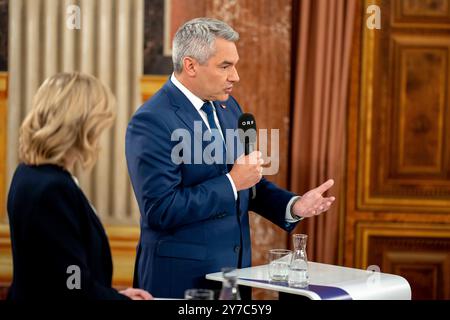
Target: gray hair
[(196, 39)]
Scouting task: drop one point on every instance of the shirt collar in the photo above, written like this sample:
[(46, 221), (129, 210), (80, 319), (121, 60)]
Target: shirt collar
[(196, 101)]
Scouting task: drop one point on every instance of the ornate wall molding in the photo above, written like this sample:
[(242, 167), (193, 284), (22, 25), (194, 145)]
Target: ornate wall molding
[(404, 131)]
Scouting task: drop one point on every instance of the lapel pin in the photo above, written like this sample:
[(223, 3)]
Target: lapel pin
[(223, 106)]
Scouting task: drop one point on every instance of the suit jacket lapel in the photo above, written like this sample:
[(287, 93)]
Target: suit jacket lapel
[(222, 114), (228, 121), (188, 114), (184, 108)]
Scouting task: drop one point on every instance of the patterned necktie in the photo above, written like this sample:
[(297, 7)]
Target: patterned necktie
[(209, 110)]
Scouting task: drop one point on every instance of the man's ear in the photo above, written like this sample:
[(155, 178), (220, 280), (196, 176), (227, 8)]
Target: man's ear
[(190, 66)]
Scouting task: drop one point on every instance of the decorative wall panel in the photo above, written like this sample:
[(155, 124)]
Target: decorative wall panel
[(404, 138), (398, 170)]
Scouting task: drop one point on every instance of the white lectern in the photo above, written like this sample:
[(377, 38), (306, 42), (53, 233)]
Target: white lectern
[(330, 282)]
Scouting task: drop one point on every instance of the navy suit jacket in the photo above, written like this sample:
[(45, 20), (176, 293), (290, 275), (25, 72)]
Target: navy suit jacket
[(191, 223), (53, 227)]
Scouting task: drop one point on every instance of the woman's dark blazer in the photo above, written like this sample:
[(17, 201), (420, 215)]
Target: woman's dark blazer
[(60, 249)]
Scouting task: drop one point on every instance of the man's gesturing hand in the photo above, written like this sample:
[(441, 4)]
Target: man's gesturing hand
[(313, 203)]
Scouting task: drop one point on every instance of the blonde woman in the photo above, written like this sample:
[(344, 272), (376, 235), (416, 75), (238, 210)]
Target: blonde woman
[(60, 249)]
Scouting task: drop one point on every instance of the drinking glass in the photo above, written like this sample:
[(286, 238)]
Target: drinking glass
[(199, 294), (279, 260)]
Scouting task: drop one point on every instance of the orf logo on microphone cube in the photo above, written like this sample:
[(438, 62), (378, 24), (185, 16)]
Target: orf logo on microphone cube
[(246, 123)]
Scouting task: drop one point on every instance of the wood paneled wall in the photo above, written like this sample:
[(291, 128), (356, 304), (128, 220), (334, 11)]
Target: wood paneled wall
[(398, 195)]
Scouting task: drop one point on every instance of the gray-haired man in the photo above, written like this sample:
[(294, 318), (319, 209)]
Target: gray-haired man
[(194, 216)]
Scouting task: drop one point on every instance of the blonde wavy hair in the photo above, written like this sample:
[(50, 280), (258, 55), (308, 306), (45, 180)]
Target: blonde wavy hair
[(69, 112)]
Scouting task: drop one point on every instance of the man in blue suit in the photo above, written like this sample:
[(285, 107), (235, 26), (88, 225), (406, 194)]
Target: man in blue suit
[(194, 215)]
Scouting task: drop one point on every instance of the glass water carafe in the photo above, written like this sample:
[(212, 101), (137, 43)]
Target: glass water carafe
[(230, 289), (298, 268)]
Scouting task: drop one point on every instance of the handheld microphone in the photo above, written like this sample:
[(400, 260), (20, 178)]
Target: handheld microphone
[(247, 136)]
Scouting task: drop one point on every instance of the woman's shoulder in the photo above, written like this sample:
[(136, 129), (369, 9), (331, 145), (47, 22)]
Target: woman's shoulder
[(36, 190), (42, 178)]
